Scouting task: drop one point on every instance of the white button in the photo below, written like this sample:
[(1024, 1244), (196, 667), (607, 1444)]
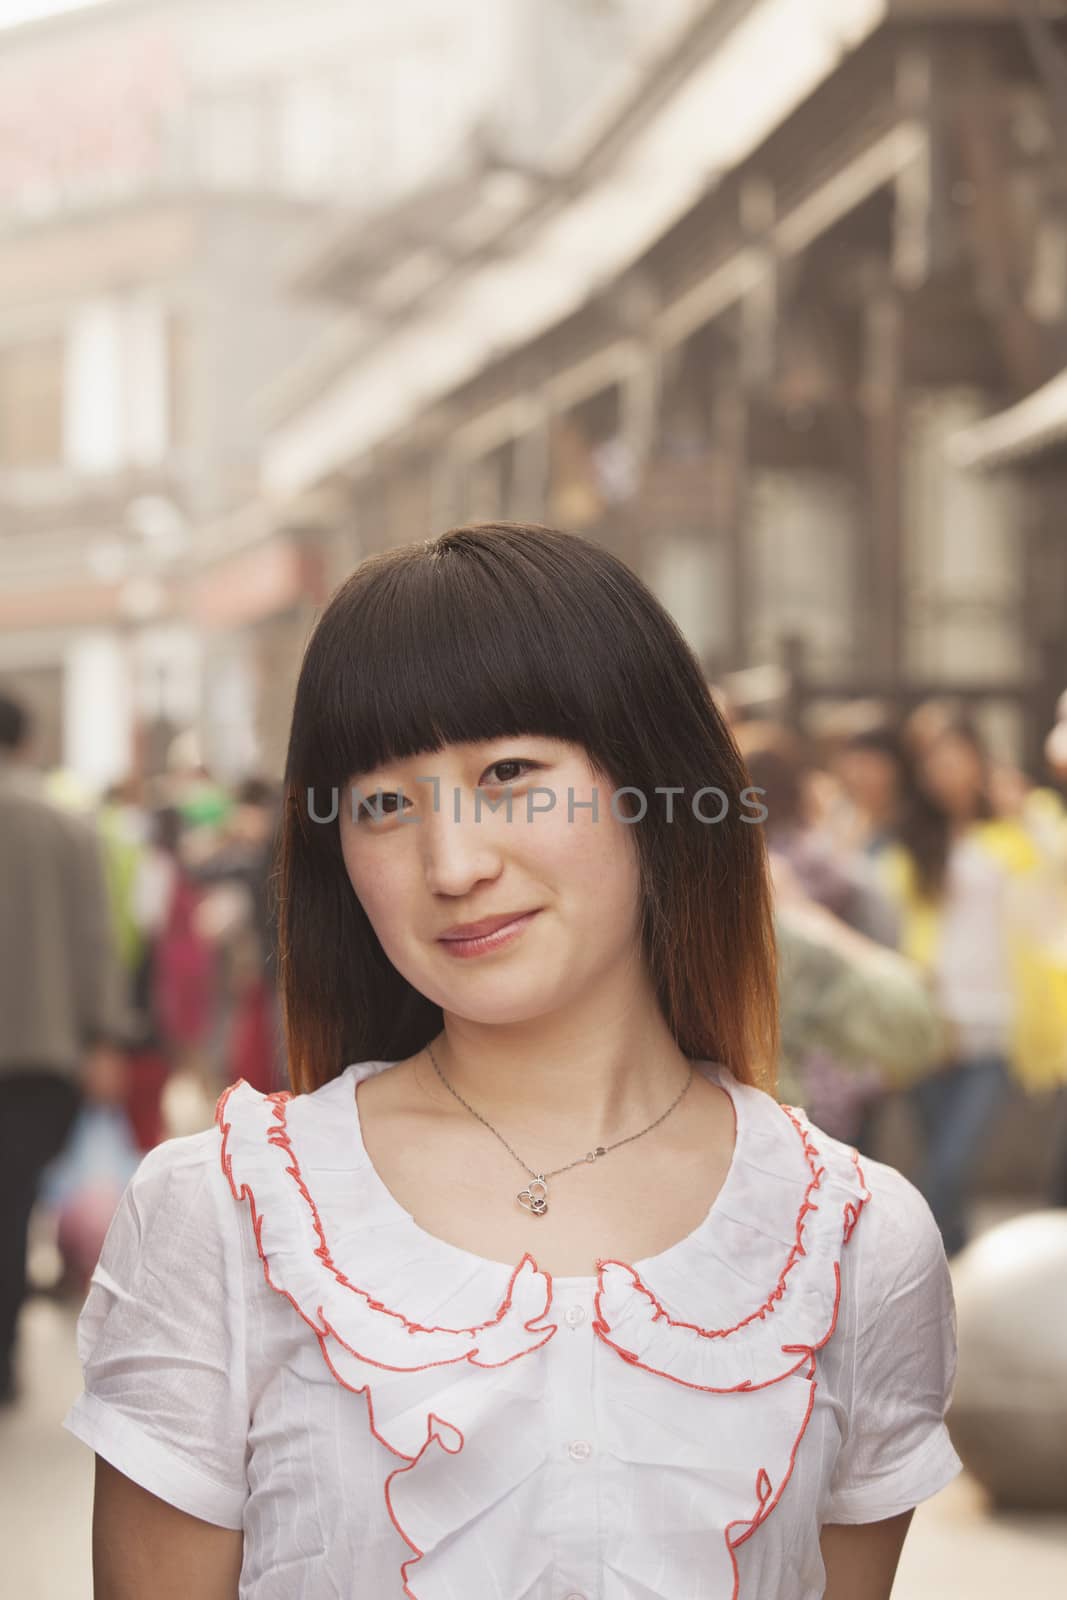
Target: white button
[(574, 1315), (580, 1450)]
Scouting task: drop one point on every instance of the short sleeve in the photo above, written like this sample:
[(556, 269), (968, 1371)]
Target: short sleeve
[(161, 1337), (898, 1452)]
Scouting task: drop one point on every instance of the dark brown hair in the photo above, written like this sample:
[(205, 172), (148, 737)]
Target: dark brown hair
[(925, 827), (504, 629), (779, 763)]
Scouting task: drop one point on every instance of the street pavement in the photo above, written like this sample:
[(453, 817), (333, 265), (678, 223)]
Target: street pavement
[(956, 1549)]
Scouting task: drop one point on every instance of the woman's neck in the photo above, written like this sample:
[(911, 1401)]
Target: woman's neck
[(594, 1069)]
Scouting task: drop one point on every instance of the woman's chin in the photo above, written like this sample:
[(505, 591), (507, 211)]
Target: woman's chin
[(499, 1000)]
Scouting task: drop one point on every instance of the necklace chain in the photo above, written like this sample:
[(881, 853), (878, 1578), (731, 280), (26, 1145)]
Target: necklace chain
[(539, 1204)]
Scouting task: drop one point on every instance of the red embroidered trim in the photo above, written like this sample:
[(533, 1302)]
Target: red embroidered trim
[(851, 1216), (279, 1136), (448, 1432), (763, 1493), (852, 1211), (431, 1435)]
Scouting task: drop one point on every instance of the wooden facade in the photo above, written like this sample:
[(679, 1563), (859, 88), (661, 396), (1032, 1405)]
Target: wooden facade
[(757, 413)]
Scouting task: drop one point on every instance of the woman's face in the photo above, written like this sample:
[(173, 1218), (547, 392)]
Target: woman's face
[(439, 849), (870, 779), (951, 772)]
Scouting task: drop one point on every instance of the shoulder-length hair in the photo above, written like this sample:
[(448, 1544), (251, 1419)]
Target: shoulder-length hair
[(924, 825), (509, 629)]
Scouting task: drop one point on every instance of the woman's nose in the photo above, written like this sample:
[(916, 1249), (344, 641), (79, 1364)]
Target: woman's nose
[(457, 853)]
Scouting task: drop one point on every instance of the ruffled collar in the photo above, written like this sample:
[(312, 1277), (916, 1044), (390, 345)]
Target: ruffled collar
[(423, 1327), (764, 1257)]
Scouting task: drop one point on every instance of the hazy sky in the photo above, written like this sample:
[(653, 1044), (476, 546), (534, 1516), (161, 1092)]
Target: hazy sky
[(13, 11)]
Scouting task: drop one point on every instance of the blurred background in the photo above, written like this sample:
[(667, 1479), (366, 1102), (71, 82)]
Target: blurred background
[(769, 296)]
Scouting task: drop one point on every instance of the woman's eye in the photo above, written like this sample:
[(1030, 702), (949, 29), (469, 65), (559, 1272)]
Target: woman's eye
[(378, 805), (509, 763), (383, 803)]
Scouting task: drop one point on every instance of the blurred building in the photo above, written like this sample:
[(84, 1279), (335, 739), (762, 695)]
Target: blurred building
[(164, 164), (1027, 442), (559, 75), (723, 284), (732, 328)]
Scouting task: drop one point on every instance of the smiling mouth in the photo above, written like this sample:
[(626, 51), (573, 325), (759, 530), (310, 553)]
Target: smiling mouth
[(475, 944), (484, 926)]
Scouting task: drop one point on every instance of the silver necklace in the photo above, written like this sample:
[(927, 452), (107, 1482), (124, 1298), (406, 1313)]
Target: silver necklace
[(534, 1197)]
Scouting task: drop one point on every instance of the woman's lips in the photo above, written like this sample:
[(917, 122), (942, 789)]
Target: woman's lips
[(485, 942)]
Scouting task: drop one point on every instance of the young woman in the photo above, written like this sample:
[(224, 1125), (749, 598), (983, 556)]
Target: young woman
[(532, 1289), (972, 898)]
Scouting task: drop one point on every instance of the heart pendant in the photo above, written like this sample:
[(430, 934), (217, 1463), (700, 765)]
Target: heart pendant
[(535, 1197)]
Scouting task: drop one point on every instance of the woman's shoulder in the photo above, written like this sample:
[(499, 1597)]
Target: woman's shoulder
[(277, 1148), (323, 1107), (174, 1242), (191, 1178), (899, 1239), (893, 1226), (907, 1220), (185, 1162), (178, 1189)]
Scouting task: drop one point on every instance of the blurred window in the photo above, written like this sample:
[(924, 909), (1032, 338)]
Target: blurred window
[(145, 379), (235, 138), (179, 345), (309, 135), (31, 403), (94, 387), (117, 383)]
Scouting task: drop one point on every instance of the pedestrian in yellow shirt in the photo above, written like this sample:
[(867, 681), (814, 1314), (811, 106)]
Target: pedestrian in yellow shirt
[(980, 911)]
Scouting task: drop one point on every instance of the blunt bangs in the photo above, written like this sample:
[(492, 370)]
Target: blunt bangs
[(469, 639)]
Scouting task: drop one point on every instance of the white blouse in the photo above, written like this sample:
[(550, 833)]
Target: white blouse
[(973, 969), (272, 1343)]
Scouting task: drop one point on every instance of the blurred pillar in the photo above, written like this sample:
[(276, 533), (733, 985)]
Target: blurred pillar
[(639, 404), (735, 404), (729, 449), (97, 708), (445, 498), (927, 240), (533, 462), (793, 654), (882, 384), (761, 304), (1047, 604)]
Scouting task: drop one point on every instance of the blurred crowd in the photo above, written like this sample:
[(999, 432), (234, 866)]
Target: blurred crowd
[(921, 906), (138, 977), (921, 912)]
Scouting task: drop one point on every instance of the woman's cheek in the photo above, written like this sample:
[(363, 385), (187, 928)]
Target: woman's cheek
[(382, 898), (373, 888), (600, 857), (569, 846)]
